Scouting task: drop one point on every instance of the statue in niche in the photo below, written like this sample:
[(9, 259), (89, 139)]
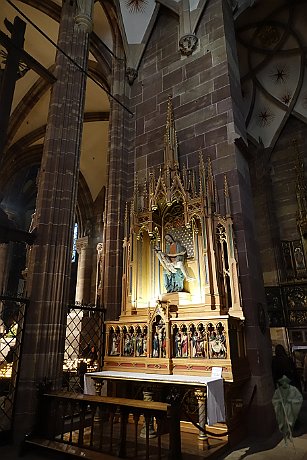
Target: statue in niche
[(159, 340), (217, 344), (173, 263), (144, 339), (299, 258), (115, 344), (139, 345), (198, 345), (178, 345), (195, 344), (155, 346), (128, 345), (162, 342), (99, 249), (184, 345)]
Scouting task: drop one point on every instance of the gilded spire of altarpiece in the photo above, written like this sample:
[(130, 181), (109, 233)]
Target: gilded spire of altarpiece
[(170, 138)]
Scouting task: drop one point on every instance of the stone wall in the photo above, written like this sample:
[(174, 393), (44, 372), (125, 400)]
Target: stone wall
[(274, 182), (206, 96)]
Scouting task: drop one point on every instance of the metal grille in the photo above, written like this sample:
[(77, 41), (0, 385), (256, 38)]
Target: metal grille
[(12, 313), (83, 345)]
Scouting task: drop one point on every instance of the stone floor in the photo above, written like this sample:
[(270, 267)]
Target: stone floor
[(274, 447), (9, 452)]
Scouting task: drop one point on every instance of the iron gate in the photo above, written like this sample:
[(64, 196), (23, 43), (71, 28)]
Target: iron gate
[(83, 345), (12, 315), (83, 350)]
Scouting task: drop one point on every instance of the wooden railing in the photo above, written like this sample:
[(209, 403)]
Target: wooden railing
[(84, 425)]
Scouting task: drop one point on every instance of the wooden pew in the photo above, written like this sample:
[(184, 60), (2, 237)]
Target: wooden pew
[(75, 424)]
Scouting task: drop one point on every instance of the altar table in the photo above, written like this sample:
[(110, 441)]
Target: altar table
[(214, 385)]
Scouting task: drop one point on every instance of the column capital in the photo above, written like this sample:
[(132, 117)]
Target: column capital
[(81, 243), (200, 394), (84, 15)]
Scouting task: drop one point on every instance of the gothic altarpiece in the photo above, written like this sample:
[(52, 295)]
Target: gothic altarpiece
[(287, 301), (181, 307)]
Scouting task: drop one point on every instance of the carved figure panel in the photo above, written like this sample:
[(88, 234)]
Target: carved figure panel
[(217, 341)]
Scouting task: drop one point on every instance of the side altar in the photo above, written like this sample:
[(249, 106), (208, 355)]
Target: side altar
[(181, 306)]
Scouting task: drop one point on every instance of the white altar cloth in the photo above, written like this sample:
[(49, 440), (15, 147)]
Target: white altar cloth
[(215, 387)]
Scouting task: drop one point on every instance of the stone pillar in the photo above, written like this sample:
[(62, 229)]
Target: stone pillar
[(83, 287), (49, 268), (3, 275), (267, 222), (116, 192), (230, 157), (4, 249)]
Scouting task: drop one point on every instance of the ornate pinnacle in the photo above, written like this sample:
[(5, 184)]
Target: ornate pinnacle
[(185, 177), (152, 186), (226, 197), (202, 179), (126, 221), (168, 186), (210, 187), (145, 195), (202, 174), (170, 138), (193, 184), (131, 210), (209, 168), (216, 199), (135, 193)]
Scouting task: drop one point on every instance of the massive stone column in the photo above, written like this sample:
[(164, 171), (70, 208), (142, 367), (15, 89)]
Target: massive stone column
[(4, 250), (116, 191), (233, 159), (49, 267)]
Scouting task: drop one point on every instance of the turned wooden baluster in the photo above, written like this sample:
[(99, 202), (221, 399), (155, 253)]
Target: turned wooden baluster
[(93, 408), (159, 426), (81, 411), (112, 415), (123, 431), (136, 417), (201, 396)]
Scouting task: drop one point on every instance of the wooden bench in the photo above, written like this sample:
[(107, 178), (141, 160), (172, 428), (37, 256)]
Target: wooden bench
[(75, 424)]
